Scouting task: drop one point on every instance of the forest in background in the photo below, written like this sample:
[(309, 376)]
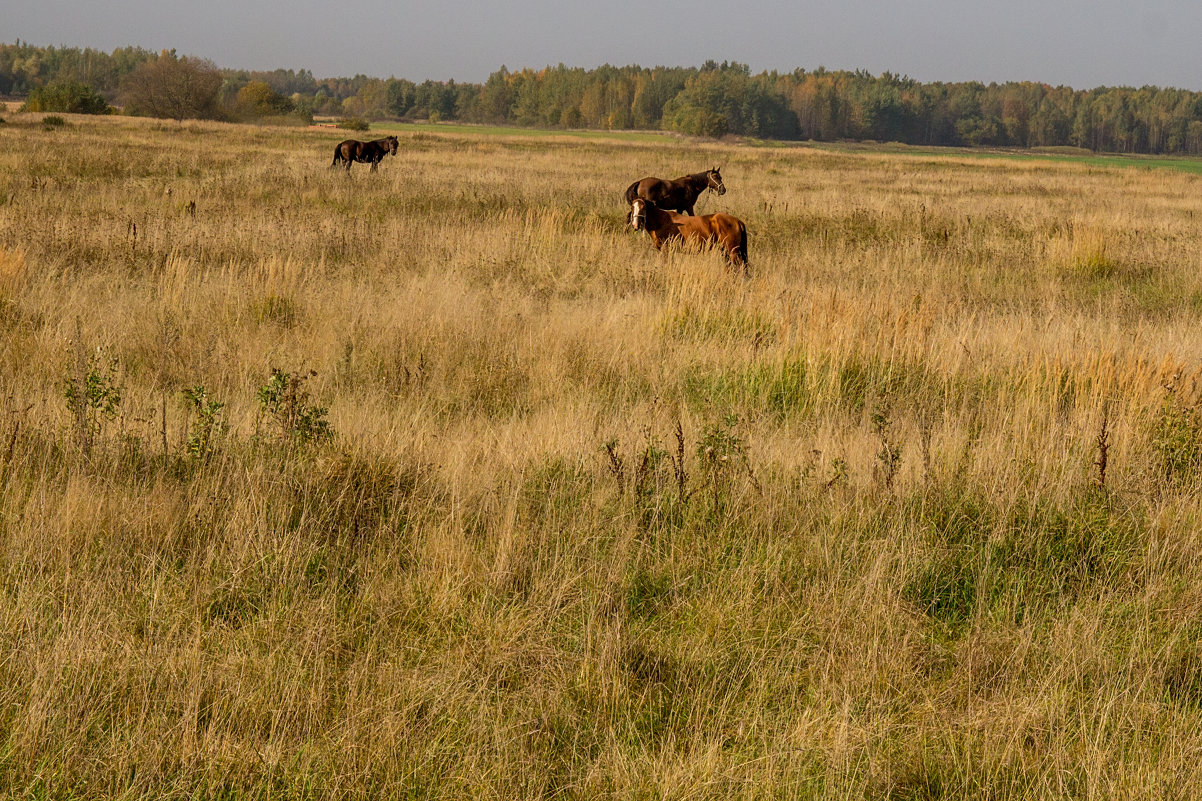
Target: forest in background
[(712, 100)]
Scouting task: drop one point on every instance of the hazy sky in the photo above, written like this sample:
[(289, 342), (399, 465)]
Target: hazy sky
[(1081, 43)]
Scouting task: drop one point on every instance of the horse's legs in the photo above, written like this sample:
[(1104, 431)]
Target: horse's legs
[(730, 244), (375, 164), (738, 261)]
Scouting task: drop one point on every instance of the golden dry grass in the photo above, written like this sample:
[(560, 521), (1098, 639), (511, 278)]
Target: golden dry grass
[(877, 564)]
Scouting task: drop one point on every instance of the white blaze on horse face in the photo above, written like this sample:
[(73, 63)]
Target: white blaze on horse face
[(636, 213)]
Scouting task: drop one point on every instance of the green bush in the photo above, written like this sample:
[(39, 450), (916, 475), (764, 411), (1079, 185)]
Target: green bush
[(206, 425), (353, 124), (285, 401), (258, 99), (92, 393), (67, 96)]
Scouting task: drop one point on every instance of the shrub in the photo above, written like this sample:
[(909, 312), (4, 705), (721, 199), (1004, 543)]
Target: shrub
[(91, 393), (206, 424), (53, 121), (353, 123), (67, 96), (286, 402)]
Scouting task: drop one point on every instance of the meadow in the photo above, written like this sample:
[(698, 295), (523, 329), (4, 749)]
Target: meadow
[(440, 482)]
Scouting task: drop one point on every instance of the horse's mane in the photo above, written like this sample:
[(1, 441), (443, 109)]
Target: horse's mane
[(693, 179)]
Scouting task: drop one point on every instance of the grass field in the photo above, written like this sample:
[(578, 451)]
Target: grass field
[(439, 482), (444, 128)]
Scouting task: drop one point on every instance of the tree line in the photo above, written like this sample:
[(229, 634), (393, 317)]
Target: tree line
[(712, 100)]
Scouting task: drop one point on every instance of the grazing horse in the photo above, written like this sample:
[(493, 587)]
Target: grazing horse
[(372, 153), (679, 194), (719, 230)]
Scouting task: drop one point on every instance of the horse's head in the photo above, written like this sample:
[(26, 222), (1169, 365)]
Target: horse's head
[(393, 143), (714, 181), (638, 214)]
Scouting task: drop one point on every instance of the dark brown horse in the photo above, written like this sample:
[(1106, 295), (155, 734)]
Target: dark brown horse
[(679, 194), (711, 230), (372, 153)]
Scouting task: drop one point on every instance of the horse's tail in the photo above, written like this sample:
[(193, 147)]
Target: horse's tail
[(742, 247), (337, 155), (632, 192)]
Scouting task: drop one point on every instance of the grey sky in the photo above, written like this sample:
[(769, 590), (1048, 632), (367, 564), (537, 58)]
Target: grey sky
[(1081, 43)]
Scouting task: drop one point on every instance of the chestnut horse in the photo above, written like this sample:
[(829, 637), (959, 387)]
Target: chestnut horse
[(679, 194), (718, 230), (372, 153)]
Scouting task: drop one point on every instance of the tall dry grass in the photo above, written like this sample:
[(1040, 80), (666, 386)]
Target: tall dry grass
[(847, 540)]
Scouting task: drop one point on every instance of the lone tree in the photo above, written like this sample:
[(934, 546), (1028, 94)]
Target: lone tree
[(172, 87)]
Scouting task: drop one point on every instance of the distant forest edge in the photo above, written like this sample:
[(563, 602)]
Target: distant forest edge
[(711, 100)]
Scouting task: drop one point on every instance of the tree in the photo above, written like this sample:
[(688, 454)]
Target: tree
[(398, 97), (437, 101), (173, 88), (374, 94), (706, 106), (724, 99), (257, 99), (1049, 124), (974, 131), (496, 96), (68, 96)]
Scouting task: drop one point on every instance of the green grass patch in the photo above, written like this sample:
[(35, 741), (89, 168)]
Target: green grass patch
[(797, 386), (984, 560), (1066, 155), (510, 131), (782, 390)]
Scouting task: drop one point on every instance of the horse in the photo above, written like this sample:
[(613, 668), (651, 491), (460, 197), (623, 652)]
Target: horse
[(717, 230), (679, 194), (372, 153)]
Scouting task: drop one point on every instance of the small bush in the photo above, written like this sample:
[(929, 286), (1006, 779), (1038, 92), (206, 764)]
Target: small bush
[(206, 424), (285, 401), (91, 393), (353, 124), (53, 121)]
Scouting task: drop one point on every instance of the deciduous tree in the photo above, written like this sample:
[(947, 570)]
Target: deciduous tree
[(173, 88)]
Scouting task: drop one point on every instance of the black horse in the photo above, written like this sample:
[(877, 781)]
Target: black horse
[(372, 153), (679, 194)]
